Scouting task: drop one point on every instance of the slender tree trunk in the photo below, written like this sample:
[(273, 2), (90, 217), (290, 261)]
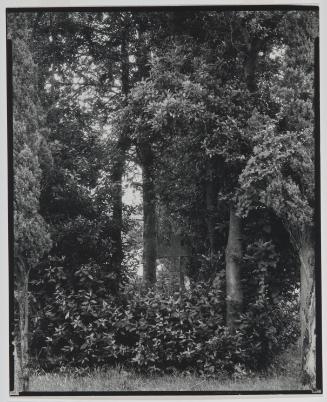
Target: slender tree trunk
[(116, 178), (149, 216), (21, 342), (119, 163), (25, 335), (146, 158), (17, 368), (174, 275), (308, 314), (211, 205), (142, 53), (234, 293), (181, 263), (125, 67), (177, 275), (215, 180)]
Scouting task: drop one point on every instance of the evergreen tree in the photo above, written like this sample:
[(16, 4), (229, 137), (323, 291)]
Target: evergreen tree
[(31, 236), (280, 174)]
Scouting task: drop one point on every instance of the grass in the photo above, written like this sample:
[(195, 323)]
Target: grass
[(113, 380), (284, 376)]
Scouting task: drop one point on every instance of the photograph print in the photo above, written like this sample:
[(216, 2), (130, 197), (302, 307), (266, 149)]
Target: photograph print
[(164, 200)]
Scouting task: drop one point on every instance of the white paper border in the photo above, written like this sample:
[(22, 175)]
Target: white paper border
[(4, 280)]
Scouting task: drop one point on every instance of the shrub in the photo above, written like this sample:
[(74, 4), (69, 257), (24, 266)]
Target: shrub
[(267, 330), (157, 333), (72, 316)]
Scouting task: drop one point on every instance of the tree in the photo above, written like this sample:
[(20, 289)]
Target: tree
[(109, 41), (280, 173), (146, 117), (88, 64), (31, 236), (253, 33), (246, 40)]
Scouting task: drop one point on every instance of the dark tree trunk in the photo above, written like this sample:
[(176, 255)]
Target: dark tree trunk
[(176, 275), (308, 314), (119, 163), (116, 178), (181, 263), (234, 293), (149, 217), (251, 62), (214, 181), (146, 158), (21, 342), (142, 52), (25, 340), (211, 205), (125, 63), (250, 67)]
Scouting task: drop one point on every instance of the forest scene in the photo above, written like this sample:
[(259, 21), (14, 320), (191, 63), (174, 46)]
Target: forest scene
[(164, 199)]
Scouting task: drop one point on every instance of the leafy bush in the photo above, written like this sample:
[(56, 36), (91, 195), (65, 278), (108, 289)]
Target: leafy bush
[(154, 332), (268, 329), (71, 314)]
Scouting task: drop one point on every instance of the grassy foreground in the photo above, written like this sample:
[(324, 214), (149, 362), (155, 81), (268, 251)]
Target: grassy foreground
[(113, 380), (283, 376)]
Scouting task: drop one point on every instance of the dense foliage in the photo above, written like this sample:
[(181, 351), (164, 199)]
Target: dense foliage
[(215, 108), (29, 152), (155, 333)]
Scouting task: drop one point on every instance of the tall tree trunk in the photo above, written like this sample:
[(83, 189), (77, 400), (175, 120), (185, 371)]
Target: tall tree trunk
[(119, 163), (146, 158), (234, 293), (149, 217), (117, 178), (181, 263), (142, 52), (21, 342), (308, 314), (211, 206), (25, 340), (176, 275), (214, 181)]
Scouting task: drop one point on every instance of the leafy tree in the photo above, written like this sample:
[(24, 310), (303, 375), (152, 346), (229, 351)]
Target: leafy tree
[(31, 235), (280, 173), (88, 65)]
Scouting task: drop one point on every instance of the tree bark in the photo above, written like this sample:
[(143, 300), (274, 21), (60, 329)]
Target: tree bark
[(308, 314), (181, 263), (211, 205), (149, 217), (117, 214), (146, 158), (125, 65), (22, 339), (176, 275), (234, 293), (142, 52), (119, 163)]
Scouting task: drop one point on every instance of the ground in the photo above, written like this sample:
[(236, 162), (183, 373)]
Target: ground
[(282, 376), (113, 380)]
